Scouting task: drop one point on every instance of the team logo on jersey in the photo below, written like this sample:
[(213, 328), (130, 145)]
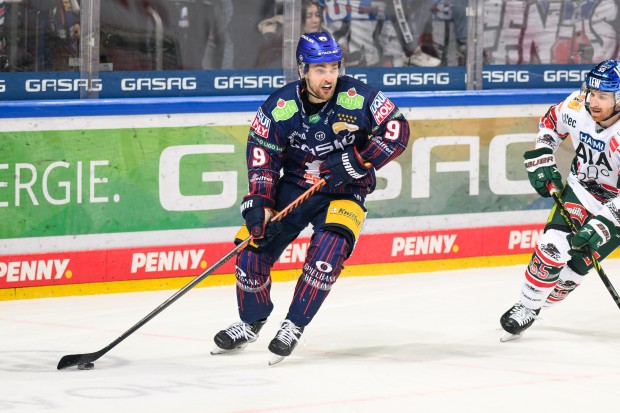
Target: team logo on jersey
[(613, 144), (549, 250), (340, 126), (345, 117), (261, 124), (319, 136), (350, 99), (591, 142), (576, 104), (285, 109), (381, 108)]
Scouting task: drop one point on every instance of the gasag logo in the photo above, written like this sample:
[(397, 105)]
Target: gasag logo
[(554, 76), (63, 85), (158, 83), (416, 79), (248, 82), (501, 76)]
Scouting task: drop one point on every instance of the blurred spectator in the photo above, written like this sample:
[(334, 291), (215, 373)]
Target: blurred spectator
[(419, 13), (4, 60), (311, 16), (401, 40), (219, 50), (451, 17), (270, 54), (65, 23), (381, 32), (356, 25), (56, 33)]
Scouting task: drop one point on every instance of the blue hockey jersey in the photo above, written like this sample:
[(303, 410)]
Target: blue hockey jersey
[(283, 138)]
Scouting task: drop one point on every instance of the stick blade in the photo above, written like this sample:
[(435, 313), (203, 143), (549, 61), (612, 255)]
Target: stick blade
[(72, 360)]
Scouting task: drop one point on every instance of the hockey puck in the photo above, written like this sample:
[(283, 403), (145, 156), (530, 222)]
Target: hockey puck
[(86, 366)]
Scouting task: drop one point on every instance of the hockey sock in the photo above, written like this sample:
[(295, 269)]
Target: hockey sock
[(567, 282), (326, 253), (253, 286)]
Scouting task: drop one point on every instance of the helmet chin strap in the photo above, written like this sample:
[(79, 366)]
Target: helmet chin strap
[(307, 89)]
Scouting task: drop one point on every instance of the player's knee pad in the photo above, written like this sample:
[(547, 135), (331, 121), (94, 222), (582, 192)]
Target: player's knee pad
[(553, 248), (252, 271), (345, 217)]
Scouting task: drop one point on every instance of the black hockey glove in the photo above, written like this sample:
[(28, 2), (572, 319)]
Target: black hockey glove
[(591, 236), (257, 215), (541, 168), (340, 168)]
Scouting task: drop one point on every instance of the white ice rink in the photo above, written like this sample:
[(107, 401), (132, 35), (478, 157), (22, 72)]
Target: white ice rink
[(407, 343)]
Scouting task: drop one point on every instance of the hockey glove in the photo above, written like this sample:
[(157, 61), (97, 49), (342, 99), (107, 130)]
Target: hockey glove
[(540, 166), (343, 167), (591, 236), (257, 217)]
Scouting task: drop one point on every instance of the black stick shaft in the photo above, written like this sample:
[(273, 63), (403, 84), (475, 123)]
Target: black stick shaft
[(595, 263)]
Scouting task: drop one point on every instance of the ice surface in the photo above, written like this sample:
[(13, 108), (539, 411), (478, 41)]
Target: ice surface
[(403, 343)]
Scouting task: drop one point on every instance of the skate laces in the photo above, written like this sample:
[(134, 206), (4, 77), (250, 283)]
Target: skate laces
[(288, 333), (523, 315), (241, 330)]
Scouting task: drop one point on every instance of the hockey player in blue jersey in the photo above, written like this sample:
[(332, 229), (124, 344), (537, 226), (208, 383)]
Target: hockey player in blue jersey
[(325, 125)]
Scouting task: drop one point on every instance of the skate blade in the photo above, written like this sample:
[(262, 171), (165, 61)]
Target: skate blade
[(275, 360), (216, 350), (509, 337)]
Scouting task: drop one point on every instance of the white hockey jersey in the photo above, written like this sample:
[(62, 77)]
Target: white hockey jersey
[(595, 170)]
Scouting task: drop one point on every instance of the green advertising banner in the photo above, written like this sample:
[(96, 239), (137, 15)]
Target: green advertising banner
[(101, 181), (117, 180)]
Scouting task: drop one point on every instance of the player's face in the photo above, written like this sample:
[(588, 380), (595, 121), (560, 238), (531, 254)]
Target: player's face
[(601, 104), (321, 80)]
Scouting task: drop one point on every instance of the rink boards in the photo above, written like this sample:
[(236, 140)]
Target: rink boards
[(116, 196)]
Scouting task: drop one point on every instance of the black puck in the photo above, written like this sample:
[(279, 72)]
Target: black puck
[(86, 366)]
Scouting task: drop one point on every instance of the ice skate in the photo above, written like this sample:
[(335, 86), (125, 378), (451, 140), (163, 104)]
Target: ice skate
[(285, 341), (516, 320), (236, 337)]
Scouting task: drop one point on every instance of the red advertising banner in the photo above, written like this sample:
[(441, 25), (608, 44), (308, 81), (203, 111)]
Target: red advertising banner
[(78, 267)]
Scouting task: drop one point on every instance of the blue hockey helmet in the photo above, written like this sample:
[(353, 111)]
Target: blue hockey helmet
[(605, 77), (319, 47)]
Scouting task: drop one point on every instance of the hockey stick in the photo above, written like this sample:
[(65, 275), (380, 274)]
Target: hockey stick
[(595, 263), (84, 361)]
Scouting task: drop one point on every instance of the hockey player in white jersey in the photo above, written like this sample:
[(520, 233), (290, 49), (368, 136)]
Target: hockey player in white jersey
[(560, 261)]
